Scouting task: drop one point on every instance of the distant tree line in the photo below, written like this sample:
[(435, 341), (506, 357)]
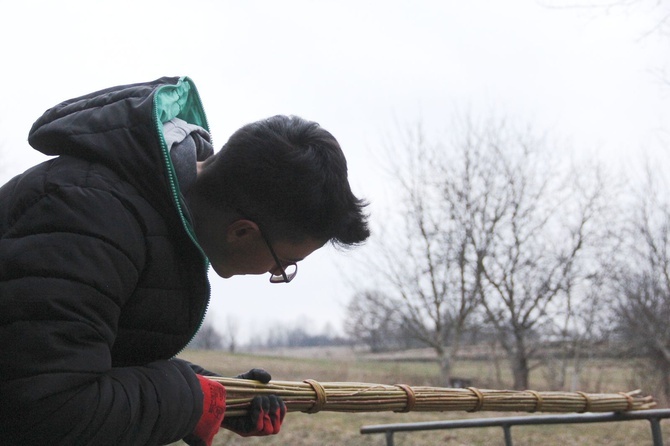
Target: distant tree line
[(299, 335), (275, 335)]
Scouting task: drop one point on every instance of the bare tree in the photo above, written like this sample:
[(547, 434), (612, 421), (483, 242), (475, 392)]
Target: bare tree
[(642, 282), (430, 266), (658, 21), (538, 221), (207, 338), (577, 333), (489, 221), (230, 333), (373, 319)]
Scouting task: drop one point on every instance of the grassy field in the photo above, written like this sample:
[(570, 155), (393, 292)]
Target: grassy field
[(330, 428)]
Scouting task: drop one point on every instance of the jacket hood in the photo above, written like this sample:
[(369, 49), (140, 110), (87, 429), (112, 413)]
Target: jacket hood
[(122, 128)]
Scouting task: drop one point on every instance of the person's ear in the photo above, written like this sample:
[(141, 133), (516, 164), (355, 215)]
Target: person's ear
[(242, 230)]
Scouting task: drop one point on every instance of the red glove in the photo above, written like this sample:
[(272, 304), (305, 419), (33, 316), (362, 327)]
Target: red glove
[(214, 408), (265, 415)]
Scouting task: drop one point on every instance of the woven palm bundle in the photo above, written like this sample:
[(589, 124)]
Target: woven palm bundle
[(311, 396)]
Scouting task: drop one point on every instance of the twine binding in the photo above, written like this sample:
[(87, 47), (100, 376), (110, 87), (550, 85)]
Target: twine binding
[(320, 400), (538, 400), (587, 405), (480, 399), (629, 399), (411, 398)]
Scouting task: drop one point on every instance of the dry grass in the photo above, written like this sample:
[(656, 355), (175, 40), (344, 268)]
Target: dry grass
[(331, 428)]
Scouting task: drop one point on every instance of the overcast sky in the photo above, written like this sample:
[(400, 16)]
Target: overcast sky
[(591, 76)]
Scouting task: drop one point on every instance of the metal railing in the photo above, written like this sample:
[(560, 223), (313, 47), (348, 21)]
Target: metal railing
[(654, 417)]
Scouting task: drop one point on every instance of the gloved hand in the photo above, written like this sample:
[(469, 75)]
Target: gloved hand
[(214, 408), (266, 412)]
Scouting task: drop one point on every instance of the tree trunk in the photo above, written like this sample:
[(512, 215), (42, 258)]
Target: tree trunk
[(575, 382), (520, 370), (444, 360), (665, 371)]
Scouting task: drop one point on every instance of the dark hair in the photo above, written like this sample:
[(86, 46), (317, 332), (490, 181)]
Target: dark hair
[(289, 175)]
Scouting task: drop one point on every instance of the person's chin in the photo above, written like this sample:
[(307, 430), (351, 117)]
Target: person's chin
[(222, 272), (227, 273)]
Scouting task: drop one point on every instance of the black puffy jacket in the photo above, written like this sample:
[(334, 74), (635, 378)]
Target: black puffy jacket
[(102, 281)]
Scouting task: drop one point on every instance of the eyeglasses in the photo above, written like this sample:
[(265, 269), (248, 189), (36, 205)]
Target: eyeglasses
[(288, 269)]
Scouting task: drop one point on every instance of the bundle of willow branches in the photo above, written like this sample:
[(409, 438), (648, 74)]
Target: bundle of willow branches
[(311, 396)]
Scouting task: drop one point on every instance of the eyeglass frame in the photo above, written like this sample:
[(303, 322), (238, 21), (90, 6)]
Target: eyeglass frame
[(284, 277)]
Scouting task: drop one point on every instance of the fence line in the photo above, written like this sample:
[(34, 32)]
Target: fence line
[(654, 417)]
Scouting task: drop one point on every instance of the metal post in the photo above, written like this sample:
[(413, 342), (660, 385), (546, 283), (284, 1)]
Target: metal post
[(656, 434), (389, 438), (507, 429)]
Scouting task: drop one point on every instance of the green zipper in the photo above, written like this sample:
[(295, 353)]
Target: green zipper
[(181, 100), (161, 114)]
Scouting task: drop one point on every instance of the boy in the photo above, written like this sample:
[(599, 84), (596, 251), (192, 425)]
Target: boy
[(104, 252)]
